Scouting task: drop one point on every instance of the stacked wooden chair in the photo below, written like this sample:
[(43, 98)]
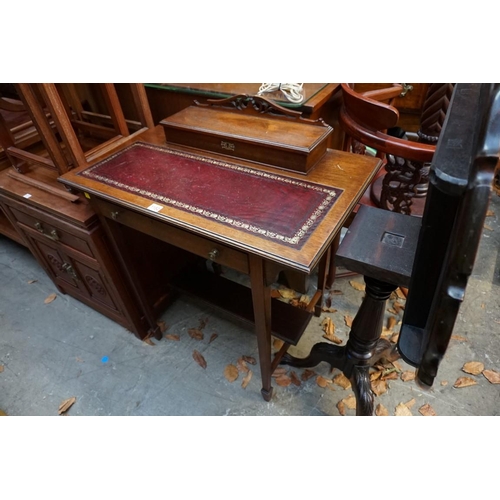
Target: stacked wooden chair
[(72, 135)]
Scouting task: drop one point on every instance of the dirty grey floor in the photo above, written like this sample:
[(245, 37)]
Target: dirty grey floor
[(64, 349)]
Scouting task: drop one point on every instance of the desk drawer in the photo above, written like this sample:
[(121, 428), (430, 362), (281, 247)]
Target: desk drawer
[(53, 231), (204, 247)]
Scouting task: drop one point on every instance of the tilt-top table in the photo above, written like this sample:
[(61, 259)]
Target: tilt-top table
[(255, 219)]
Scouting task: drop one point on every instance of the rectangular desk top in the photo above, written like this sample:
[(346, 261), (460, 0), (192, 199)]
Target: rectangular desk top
[(286, 217)]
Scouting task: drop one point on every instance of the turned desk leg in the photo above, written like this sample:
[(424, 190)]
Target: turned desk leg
[(261, 297)]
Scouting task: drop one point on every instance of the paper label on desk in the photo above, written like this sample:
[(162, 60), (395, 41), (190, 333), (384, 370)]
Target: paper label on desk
[(27, 195), (155, 207)]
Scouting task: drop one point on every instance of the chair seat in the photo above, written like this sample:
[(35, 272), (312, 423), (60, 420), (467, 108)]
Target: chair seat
[(380, 244)]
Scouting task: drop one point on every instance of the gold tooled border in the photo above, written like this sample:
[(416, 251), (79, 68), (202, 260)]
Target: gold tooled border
[(330, 193)]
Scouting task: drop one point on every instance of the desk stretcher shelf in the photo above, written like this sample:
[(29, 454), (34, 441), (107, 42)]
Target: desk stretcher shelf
[(288, 323)]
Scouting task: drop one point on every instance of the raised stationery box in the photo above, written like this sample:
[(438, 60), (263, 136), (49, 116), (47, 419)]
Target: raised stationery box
[(253, 129)]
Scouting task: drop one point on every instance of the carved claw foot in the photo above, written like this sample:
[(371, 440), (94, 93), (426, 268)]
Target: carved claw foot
[(360, 381)]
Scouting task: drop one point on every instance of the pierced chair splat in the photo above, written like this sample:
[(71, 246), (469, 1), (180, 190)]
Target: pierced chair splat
[(370, 119)]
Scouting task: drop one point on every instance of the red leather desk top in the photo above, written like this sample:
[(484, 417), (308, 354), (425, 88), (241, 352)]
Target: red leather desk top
[(271, 206)]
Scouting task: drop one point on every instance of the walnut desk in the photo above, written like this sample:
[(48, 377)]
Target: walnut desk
[(254, 219)]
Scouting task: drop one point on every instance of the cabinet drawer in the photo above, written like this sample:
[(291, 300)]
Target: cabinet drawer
[(55, 232), (204, 247)]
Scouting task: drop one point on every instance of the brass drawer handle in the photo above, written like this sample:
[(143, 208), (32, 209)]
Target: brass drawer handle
[(213, 254), (69, 269), (52, 235), (406, 88), (114, 215)]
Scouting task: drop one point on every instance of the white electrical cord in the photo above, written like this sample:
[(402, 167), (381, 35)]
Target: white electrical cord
[(292, 91)]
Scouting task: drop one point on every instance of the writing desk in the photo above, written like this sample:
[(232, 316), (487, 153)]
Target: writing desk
[(255, 219)]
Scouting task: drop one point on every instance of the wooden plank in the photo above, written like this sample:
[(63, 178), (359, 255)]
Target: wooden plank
[(25, 155), (142, 104), (39, 118), (114, 108), (43, 186), (63, 123)]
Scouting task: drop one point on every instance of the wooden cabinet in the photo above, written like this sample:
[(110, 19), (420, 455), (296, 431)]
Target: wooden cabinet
[(73, 272), (8, 229), (68, 241)]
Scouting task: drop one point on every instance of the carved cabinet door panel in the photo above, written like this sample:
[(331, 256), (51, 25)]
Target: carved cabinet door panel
[(95, 284)]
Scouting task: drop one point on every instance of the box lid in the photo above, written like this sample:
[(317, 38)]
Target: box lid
[(301, 135)]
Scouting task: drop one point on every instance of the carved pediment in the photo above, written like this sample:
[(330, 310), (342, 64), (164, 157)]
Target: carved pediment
[(254, 104)]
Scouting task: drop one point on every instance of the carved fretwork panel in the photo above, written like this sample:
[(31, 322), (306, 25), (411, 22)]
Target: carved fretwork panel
[(250, 102), (95, 284), (55, 262), (257, 105), (399, 186)]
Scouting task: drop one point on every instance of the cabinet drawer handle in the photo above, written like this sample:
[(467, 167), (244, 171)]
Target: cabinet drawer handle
[(52, 235), (69, 269), (406, 88), (114, 215), (213, 254)]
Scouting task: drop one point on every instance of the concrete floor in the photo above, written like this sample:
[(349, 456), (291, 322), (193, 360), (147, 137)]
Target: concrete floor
[(51, 352)]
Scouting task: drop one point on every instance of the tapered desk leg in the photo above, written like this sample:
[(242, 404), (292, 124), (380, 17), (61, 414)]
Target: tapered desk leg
[(261, 297), (120, 246), (332, 268)]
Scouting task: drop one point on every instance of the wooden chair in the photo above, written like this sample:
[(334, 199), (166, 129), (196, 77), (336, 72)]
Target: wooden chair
[(432, 255), (366, 118), (65, 145), (16, 127), (372, 111), (71, 135)]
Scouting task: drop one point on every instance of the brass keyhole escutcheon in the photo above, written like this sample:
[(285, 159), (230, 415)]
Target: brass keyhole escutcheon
[(213, 254)]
